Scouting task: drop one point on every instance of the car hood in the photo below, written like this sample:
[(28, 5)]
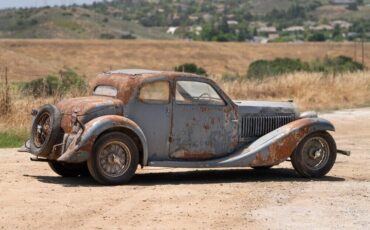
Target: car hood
[(87, 105), (266, 108)]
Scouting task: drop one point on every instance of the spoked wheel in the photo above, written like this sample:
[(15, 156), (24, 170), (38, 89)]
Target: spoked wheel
[(45, 130), (315, 155), (114, 160)]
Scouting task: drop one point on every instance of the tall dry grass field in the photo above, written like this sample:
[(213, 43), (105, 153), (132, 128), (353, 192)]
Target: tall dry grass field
[(310, 91), (30, 59)]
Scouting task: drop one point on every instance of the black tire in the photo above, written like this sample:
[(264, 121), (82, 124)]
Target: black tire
[(68, 169), (44, 135), (102, 162), (262, 167), (303, 156)]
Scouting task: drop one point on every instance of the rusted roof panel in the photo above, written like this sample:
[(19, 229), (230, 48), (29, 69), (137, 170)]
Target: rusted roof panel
[(133, 71)]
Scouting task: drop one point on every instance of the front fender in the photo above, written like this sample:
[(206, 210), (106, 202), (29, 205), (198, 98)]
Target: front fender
[(82, 144), (276, 146)]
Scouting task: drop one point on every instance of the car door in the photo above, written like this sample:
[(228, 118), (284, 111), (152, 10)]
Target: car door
[(204, 124), (152, 112)]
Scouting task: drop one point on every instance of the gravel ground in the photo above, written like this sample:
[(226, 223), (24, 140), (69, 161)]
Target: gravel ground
[(32, 196)]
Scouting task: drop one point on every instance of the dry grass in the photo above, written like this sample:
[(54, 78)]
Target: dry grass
[(30, 59), (310, 91)]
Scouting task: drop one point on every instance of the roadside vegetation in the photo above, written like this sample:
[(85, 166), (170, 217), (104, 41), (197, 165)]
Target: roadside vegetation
[(269, 68), (310, 90), (68, 82)]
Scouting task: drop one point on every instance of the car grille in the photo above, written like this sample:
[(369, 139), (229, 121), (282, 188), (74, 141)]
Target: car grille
[(256, 126)]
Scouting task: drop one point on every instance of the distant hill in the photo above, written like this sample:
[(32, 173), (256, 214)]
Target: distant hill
[(220, 20)]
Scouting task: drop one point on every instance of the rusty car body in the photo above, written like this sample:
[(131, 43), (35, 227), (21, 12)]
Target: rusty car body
[(172, 119)]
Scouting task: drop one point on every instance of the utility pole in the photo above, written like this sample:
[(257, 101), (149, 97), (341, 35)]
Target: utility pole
[(355, 53), (363, 51), (7, 97)]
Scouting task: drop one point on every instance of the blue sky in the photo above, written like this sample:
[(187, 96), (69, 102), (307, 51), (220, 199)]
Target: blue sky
[(39, 3)]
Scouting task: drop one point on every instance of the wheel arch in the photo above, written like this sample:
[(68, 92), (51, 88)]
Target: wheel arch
[(133, 135), (82, 145)]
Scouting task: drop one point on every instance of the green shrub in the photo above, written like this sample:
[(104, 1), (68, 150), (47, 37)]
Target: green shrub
[(191, 68), (72, 81), (107, 36), (338, 64), (262, 68), (51, 85), (317, 37)]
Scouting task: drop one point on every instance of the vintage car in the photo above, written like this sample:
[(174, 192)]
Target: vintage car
[(171, 119)]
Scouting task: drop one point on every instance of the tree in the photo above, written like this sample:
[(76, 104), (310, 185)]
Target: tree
[(352, 6), (317, 37)]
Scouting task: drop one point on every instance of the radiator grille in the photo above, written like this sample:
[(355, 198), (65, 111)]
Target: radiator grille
[(256, 126)]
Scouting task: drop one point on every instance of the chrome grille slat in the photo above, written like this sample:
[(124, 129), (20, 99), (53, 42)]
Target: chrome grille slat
[(256, 126)]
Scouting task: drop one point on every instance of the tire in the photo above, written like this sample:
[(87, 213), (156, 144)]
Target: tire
[(262, 167), (68, 169), (114, 159), (45, 130), (315, 155)]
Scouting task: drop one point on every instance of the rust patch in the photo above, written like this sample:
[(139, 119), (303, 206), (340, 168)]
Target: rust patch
[(282, 149), (185, 154)]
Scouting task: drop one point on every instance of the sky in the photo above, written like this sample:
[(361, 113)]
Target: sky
[(39, 3)]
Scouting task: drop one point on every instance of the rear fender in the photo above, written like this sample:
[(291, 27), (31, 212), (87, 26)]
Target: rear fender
[(82, 144)]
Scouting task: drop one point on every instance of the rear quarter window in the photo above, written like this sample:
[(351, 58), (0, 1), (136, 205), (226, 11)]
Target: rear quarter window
[(155, 92), (105, 90)]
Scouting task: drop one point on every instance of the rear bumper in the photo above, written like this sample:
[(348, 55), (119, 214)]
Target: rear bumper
[(344, 152), (25, 148)]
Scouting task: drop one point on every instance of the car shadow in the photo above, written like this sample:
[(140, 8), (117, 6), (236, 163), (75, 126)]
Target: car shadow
[(213, 176)]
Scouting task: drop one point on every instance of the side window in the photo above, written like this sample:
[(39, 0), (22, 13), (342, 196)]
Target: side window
[(194, 92), (157, 92)]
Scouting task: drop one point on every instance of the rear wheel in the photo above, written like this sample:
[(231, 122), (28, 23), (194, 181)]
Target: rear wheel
[(114, 159), (68, 169), (315, 155)]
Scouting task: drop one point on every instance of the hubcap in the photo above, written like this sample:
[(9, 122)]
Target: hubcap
[(316, 153), (114, 159), (42, 130)]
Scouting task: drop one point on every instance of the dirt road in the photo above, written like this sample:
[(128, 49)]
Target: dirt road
[(32, 196)]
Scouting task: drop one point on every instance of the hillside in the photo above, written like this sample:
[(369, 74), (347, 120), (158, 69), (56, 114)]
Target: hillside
[(71, 22), (219, 20), (30, 59)]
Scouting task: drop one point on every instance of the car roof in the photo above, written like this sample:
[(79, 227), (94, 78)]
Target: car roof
[(134, 71)]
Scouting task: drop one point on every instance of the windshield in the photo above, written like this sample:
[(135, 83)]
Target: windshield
[(105, 90)]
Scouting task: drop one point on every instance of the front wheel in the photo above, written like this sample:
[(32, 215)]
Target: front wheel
[(114, 159), (315, 155)]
